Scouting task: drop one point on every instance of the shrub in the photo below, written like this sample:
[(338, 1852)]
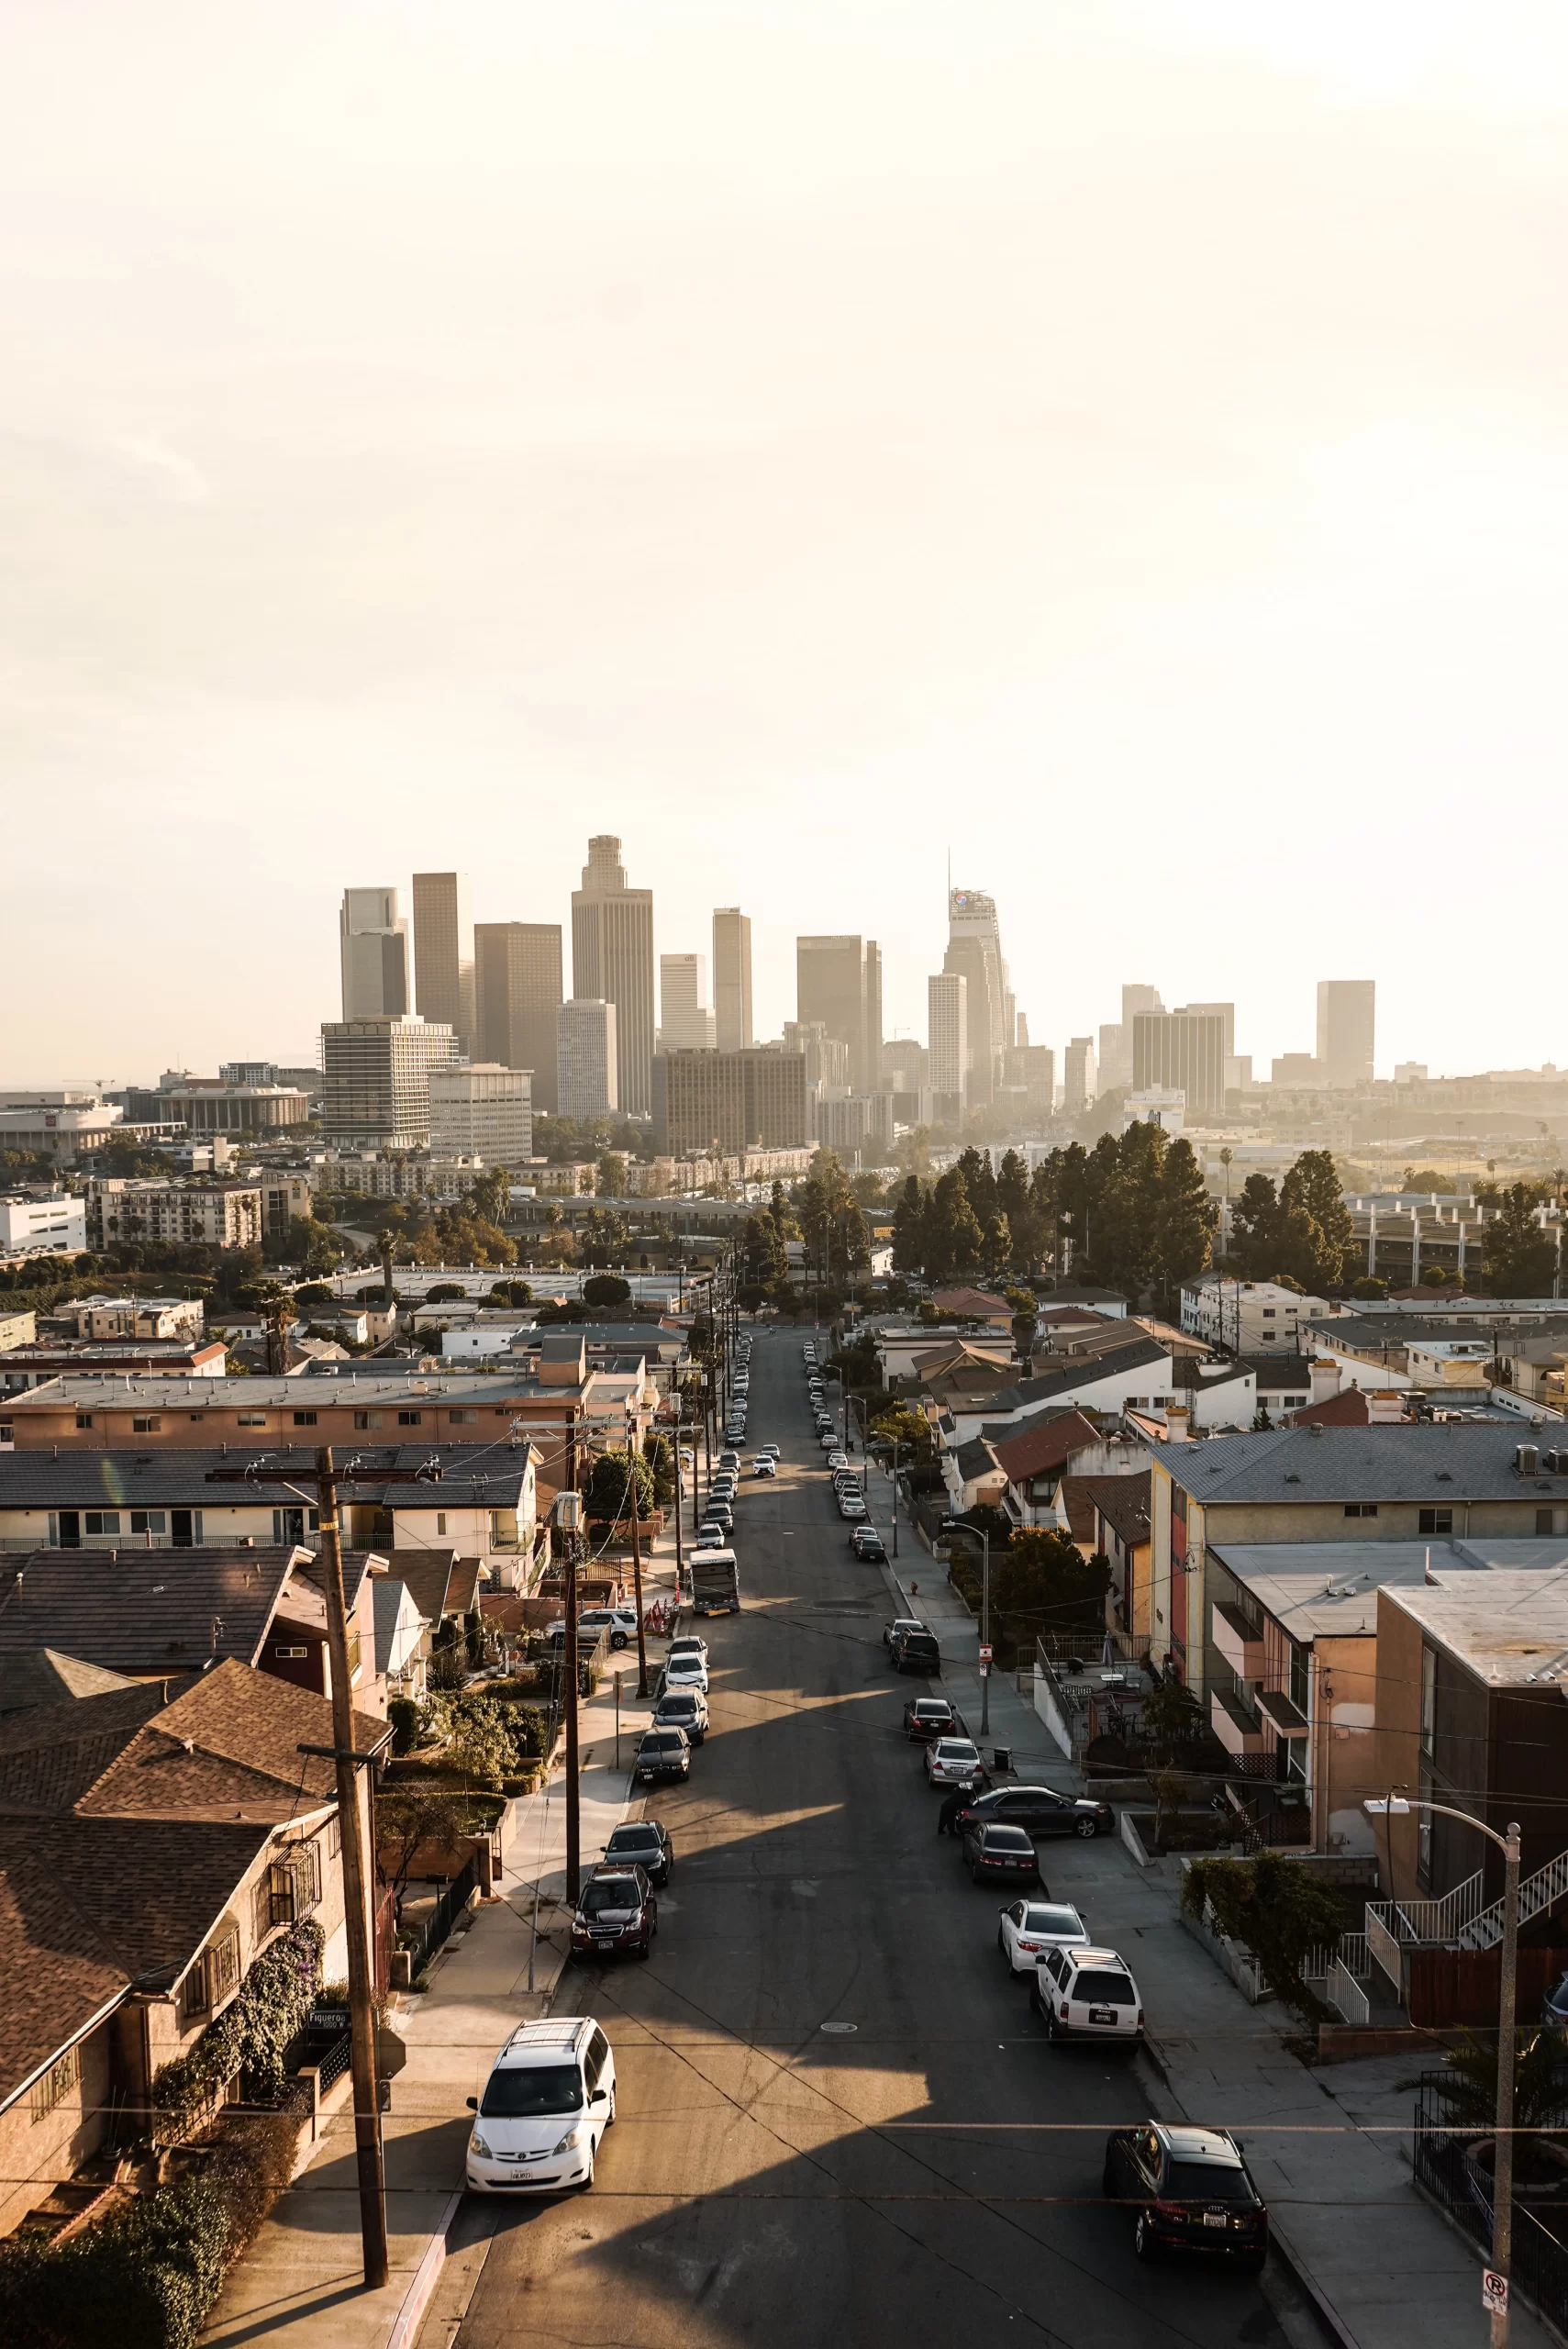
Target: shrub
[(479, 1738), (251, 2034), (404, 1715), (1275, 1908)]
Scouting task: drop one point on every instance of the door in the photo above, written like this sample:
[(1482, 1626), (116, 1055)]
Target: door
[(182, 1528), (70, 1529)]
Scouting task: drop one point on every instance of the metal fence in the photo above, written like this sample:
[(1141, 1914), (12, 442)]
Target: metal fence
[(1447, 2169), (437, 1928)]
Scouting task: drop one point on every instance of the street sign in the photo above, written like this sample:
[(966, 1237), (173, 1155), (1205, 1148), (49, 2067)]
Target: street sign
[(984, 1669), (1494, 2291), (985, 1654)]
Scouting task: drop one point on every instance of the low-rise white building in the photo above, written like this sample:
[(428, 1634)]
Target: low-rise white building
[(1248, 1317), (55, 1225)]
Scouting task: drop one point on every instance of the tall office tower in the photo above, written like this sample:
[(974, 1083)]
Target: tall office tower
[(1115, 1055), (1021, 1030), (946, 1012), (443, 953), (1080, 1076), (827, 1058), (518, 986), (1226, 1011), (587, 1060), (1137, 999), (839, 982), (685, 1023), (1347, 1020), (376, 1080), (733, 979), (1181, 1051), (974, 950), (751, 1099), (482, 1111), (612, 962), (373, 944)]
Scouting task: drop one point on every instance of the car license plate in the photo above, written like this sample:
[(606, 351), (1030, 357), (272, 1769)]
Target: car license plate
[(1102, 2014), (1214, 2217)]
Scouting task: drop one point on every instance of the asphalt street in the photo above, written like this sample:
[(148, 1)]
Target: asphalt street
[(837, 2117)]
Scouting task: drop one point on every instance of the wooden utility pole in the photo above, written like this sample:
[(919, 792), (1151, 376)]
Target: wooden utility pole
[(568, 1507), (637, 1545), (361, 1975)]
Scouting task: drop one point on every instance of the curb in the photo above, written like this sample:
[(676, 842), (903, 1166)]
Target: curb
[(1333, 2324), (417, 2299)]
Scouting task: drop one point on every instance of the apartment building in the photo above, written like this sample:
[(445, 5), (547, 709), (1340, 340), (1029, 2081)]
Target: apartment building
[(482, 1111), (1249, 1317), (739, 1100), (587, 1059), (201, 1215), (376, 1088)]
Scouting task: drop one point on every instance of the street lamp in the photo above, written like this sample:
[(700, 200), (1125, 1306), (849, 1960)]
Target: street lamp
[(1393, 1805)]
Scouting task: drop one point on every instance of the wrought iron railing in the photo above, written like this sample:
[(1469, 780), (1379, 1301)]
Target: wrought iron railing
[(1447, 2169)]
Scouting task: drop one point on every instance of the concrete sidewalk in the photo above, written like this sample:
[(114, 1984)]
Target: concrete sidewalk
[(301, 2282), (1330, 2145)]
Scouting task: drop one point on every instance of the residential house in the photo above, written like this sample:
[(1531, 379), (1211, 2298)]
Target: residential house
[(1120, 1535), (36, 1365), (1139, 1375), (1040, 1455), (1220, 1395), (134, 1317), (1333, 1484), (1248, 1317), (401, 1646), (1108, 1302), (154, 1841), (975, 1305)]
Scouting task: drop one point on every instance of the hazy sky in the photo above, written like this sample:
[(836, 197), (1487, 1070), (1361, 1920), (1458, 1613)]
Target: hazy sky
[(1123, 442)]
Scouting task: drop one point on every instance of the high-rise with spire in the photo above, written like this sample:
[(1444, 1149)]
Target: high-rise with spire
[(974, 953), (612, 962)]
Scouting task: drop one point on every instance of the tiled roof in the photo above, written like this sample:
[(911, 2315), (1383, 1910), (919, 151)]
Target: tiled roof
[(1044, 1445), (1124, 1503), (972, 1302), (177, 1476), (974, 1458), (141, 1611), (45, 1678), (1348, 1409), (1443, 1463)]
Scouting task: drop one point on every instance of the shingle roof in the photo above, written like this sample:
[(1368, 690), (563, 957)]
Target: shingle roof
[(1456, 1462), (1086, 1373), (141, 1610), (1124, 1503), (45, 1677), (177, 1476), (974, 1458), (1044, 1444)]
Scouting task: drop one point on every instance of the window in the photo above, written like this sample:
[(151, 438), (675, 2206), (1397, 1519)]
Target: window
[(462, 1419), (1360, 1508), (84, 1418), (1268, 1312), (441, 1520), (305, 1418), (367, 1419), (213, 1978), (101, 1521), (1436, 1520), (149, 1521), (194, 1416), (152, 1426), (251, 1418), (56, 2084), (291, 1654), (410, 1419), (290, 1888)]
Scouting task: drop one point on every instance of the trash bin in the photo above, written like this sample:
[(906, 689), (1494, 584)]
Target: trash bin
[(1002, 1757)]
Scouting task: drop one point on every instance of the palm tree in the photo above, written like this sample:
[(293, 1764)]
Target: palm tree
[(386, 1248)]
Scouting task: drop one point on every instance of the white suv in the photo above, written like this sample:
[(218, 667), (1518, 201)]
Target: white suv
[(1086, 1993), (550, 2098)]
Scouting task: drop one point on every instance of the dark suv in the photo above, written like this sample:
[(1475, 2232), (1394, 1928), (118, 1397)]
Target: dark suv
[(616, 1910), (644, 1842), (1189, 2190), (916, 1652), (663, 1753)]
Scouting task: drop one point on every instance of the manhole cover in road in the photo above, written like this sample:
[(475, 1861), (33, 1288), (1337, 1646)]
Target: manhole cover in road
[(838, 2030)]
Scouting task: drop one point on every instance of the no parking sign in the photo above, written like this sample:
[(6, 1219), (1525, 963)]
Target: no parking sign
[(1494, 2291)]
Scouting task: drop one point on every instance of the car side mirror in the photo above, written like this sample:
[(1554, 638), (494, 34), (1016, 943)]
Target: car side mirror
[(473, 2104), (600, 2096)]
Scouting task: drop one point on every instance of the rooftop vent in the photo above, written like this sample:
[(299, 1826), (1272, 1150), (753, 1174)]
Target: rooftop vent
[(1526, 1458)]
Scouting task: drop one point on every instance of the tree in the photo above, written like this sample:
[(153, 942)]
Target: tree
[(996, 1247), (607, 1288), (1187, 1218), (386, 1249), (1312, 1186), (1041, 1581), (909, 1227), (1169, 1722), (661, 1459), (273, 1303), (953, 1237), (446, 1292), (610, 1178), (1521, 1259), (610, 1486), (479, 1742), (910, 1429), (1275, 1908)]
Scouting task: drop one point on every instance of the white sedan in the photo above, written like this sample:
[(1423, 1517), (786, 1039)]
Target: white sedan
[(766, 1465), (686, 1670), (953, 1762), (1030, 1928), (838, 1460)]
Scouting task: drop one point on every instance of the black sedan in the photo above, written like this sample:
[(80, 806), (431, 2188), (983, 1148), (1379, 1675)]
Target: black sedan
[(928, 1717), (1188, 2190), (995, 1854), (663, 1753), (868, 1545), (644, 1844), (1042, 1812)]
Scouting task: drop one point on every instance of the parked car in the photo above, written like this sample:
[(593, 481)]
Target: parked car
[(928, 1717), (620, 1621), (719, 1512), (662, 1753), (729, 1460), (682, 1706), (769, 1450), (868, 1545), (616, 1910), (828, 1439), (688, 1643), (953, 1761), (851, 1506), (992, 1852), (644, 1844), (1188, 2189), (765, 1465), (1045, 1812), (550, 2098), (1087, 1993), (685, 1671), (899, 1623), (837, 1460), (916, 1650), (1027, 1929)]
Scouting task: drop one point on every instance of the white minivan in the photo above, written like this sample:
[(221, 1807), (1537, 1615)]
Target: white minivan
[(550, 2098)]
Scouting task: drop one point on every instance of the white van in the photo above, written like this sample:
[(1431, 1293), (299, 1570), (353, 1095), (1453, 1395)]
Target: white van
[(550, 2098)]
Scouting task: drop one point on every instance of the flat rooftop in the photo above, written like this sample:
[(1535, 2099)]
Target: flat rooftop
[(1511, 1627), (1317, 1589)]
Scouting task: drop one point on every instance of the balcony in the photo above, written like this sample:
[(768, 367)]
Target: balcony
[(1241, 1647), (1284, 1717), (1236, 1730)]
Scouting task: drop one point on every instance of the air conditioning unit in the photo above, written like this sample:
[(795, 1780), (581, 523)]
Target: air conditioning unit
[(1527, 1459)]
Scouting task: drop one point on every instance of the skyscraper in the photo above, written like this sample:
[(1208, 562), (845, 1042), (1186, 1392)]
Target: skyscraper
[(1116, 1037), (443, 953), (733, 979), (585, 1079), (612, 962), (946, 1002), (975, 949), (1346, 1022), (518, 991), (1182, 1052), (372, 945), (685, 1023), (839, 981), (751, 1099), (1080, 1076), (376, 1080)]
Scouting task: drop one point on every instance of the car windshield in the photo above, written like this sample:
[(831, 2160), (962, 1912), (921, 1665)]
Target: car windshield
[(1206, 2182), (1103, 1989), (958, 1749), (654, 1744), (514, 2092), (680, 1707), (931, 1708), (608, 1893), (626, 1841), (1052, 1921)]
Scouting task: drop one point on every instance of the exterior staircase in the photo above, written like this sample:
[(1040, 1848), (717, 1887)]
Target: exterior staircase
[(1485, 1930)]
